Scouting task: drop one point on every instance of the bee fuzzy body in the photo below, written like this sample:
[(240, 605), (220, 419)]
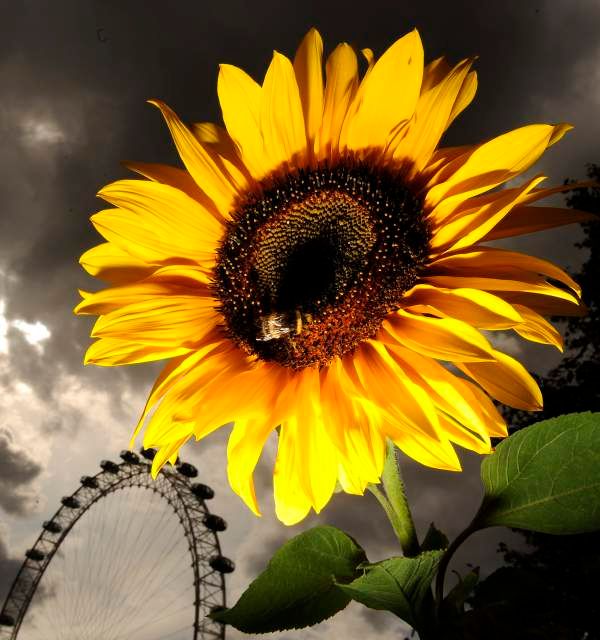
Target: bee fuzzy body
[(277, 325)]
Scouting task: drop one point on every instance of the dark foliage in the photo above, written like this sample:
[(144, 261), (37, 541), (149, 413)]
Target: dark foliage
[(551, 590)]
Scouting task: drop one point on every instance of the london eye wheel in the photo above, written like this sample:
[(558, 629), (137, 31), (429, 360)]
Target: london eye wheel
[(125, 557)]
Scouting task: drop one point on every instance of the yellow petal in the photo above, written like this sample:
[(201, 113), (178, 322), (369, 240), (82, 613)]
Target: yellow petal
[(245, 445), (185, 389), (501, 263), (489, 165), (197, 279), (438, 454), (537, 329), (217, 140), (524, 219), (495, 423), (156, 222), (107, 300), (468, 226), (291, 502), (444, 162), (240, 98), (463, 437), (174, 431), (386, 384), (257, 386), (478, 308), (209, 133), (389, 93), (110, 352), (506, 380), (450, 394), (309, 76), (202, 165), (441, 338), (109, 262), (260, 416), (431, 118), (281, 117), (165, 321), (433, 73), (465, 96), (546, 305), (506, 289), (539, 194), (369, 56), (163, 283), (179, 179), (353, 427), (168, 453), (342, 80), (315, 459), (559, 131), (175, 370)]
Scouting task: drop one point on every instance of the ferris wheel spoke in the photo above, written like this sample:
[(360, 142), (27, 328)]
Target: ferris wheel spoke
[(153, 578), (112, 565), (121, 562), (130, 631)]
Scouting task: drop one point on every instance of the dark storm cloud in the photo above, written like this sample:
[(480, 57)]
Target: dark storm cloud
[(8, 568), (17, 472)]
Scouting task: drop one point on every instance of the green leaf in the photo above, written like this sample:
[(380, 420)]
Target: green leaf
[(454, 602), (545, 478), (434, 540), (299, 586), (399, 585)]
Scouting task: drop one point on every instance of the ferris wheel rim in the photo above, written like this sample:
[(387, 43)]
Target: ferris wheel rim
[(107, 481)]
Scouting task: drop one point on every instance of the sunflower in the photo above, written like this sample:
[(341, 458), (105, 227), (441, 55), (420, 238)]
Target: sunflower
[(320, 268)]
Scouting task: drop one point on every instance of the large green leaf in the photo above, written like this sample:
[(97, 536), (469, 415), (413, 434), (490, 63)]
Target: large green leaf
[(299, 586), (399, 585), (545, 478)]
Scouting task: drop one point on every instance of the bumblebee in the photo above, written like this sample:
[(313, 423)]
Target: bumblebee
[(277, 325)]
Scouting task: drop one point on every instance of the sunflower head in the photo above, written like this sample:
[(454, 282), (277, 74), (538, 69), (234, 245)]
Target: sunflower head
[(320, 266), (313, 262)]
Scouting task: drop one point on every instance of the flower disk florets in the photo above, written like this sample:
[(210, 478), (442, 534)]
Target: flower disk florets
[(314, 260)]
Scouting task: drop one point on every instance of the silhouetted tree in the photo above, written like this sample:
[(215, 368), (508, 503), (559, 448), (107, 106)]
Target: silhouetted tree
[(551, 590)]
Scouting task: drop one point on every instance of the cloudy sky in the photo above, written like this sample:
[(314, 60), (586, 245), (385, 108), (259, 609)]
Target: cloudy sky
[(75, 76)]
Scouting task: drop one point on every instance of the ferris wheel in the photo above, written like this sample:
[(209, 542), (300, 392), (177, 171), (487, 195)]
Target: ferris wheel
[(125, 557)]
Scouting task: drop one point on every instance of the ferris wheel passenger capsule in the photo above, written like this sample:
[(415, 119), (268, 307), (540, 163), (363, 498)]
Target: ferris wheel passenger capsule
[(110, 466), (222, 564), (89, 481), (129, 456), (188, 470), (6, 620), (35, 554), (52, 526), (148, 453), (70, 502), (214, 522), (203, 491)]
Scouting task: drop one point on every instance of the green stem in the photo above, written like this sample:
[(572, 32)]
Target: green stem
[(389, 512), (395, 505), (394, 488), (445, 561)]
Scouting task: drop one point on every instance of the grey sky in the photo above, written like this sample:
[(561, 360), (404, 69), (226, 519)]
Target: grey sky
[(75, 76)]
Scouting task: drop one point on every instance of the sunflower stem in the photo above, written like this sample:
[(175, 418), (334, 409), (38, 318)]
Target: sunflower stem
[(445, 561), (395, 504), (389, 512)]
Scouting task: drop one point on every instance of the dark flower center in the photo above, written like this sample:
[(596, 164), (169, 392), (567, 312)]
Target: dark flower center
[(312, 262)]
